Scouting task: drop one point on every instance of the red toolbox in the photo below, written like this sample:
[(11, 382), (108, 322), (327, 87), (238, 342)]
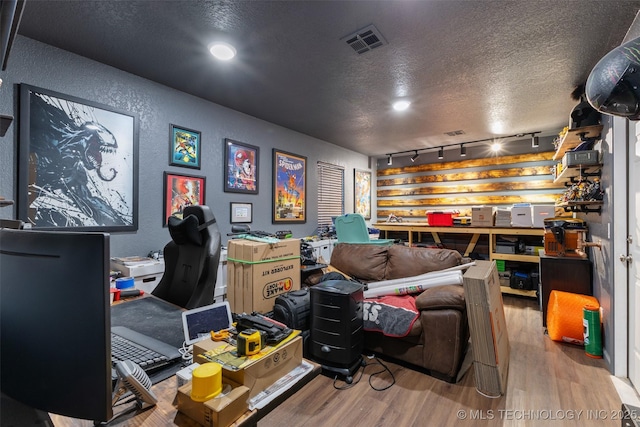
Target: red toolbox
[(441, 218)]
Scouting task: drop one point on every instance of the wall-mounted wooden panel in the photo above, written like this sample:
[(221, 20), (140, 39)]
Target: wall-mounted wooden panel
[(411, 191)]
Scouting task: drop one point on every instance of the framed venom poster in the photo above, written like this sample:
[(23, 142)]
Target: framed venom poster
[(77, 163)]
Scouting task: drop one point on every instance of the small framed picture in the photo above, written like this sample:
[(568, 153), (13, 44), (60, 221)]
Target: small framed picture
[(241, 212), (181, 191), (184, 148), (241, 167), (362, 193)]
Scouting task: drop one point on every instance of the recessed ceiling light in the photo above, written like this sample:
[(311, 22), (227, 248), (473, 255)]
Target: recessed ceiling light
[(222, 51), (401, 105), (496, 146)]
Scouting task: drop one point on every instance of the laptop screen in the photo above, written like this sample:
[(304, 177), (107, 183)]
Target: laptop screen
[(199, 322)]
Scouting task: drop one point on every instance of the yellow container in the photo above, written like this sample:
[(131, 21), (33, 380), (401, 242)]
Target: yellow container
[(206, 382)]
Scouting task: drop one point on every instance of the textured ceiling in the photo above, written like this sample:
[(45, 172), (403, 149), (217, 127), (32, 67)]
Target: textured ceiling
[(489, 68)]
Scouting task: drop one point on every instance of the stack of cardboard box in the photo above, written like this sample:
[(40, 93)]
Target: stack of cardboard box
[(488, 328), (258, 272)]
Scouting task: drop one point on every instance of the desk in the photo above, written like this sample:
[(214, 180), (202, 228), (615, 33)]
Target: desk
[(165, 413)]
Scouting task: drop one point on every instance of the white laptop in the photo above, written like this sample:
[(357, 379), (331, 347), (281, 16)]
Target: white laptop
[(198, 323)]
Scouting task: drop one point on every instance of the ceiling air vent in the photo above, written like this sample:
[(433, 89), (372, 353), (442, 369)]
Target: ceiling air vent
[(365, 39), (455, 133)]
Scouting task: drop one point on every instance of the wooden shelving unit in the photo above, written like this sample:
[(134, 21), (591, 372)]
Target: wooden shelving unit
[(572, 174), (574, 137), (577, 171)]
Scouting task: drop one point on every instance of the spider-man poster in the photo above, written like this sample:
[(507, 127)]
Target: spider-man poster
[(78, 163), (289, 187)]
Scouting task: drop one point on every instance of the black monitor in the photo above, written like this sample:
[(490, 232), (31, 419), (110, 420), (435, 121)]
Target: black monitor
[(55, 322)]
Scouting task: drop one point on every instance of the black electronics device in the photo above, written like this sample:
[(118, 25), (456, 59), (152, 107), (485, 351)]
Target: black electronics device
[(337, 335), (56, 350)]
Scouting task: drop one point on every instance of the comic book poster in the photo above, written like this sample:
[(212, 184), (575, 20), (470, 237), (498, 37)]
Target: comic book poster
[(241, 167), (289, 187)]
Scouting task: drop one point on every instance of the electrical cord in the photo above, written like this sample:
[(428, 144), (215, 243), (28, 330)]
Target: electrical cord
[(187, 353), (363, 366)]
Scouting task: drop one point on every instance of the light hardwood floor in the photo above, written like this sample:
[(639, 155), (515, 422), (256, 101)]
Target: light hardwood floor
[(549, 383)]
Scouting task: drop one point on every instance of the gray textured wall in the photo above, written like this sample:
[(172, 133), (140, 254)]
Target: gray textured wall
[(158, 106)]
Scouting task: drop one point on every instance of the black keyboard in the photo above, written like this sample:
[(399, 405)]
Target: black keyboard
[(148, 352)]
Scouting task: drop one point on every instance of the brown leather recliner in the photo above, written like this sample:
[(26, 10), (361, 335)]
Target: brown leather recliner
[(439, 337)]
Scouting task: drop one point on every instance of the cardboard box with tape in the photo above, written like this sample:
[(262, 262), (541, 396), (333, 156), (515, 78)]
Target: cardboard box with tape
[(259, 272)]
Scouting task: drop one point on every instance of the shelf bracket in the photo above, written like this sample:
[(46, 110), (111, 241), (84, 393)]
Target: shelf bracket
[(583, 209)]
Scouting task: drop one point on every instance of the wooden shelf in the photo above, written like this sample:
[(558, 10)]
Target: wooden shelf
[(520, 292), (572, 139), (577, 171), (515, 257)]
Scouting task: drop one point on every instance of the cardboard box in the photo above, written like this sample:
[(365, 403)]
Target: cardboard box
[(521, 216), (269, 369), (541, 212), (220, 411), (262, 372), (488, 328), (482, 216), (261, 272)]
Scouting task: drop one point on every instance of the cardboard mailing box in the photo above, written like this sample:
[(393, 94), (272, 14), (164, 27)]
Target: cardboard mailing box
[(482, 216), (220, 411), (259, 272), (264, 371), (488, 328), (521, 216), (541, 212)]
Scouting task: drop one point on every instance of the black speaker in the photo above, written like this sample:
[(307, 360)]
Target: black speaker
[(337, 337)]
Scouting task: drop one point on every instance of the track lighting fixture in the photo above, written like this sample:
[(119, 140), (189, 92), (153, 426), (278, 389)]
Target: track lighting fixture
[(535, 143), (496, 146)]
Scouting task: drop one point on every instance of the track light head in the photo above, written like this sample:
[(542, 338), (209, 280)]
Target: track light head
[(535, 142), (415, 156), (441, 153), (463, 150), (389, 160)]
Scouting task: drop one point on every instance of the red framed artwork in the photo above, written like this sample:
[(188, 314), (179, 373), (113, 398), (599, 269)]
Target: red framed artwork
[(181, 191)]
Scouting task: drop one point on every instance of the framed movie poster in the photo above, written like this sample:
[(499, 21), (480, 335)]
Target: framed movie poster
[(77, 163), (184, 147), (289, 187), (181, 191), (241, 167), (362, 193)]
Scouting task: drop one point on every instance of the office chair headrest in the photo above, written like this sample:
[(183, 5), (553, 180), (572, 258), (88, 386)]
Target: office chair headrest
[(187, 230)]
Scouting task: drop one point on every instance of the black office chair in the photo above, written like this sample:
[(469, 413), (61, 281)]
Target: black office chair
[(191, 259)]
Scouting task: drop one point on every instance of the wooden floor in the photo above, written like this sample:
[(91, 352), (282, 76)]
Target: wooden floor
[(549, 383)]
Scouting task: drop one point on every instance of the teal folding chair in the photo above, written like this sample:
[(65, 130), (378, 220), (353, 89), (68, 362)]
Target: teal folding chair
[(351, 228)]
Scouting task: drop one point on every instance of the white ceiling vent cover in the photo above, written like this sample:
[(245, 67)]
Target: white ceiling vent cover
[(365, 39)]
